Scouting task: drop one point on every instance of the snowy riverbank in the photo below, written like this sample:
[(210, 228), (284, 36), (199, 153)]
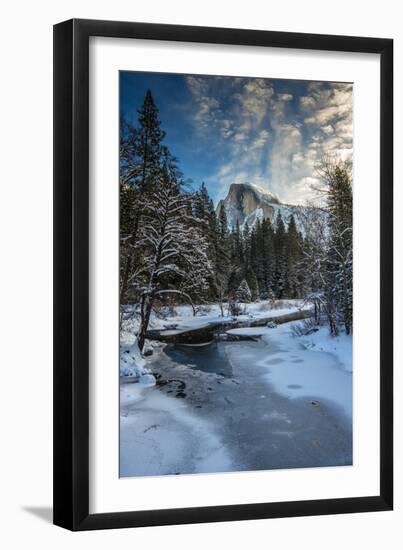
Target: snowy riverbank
[(159, 435), (281, 402), (181, 317), (296, 365), (133, 365)]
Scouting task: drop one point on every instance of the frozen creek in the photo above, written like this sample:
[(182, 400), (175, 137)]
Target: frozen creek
[(237, 406)]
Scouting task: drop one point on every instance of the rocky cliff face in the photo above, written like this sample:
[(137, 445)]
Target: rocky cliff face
[(248, 202)]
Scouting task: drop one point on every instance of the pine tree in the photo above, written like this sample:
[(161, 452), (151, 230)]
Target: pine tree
[(280, 248), (246, 237), (268, 261), (340, 257), (141, 158), (312, 265), (221, 256), (237, 267), (149, 142), (336, 256), (223, 223), (205, 219), (127, 160), (243, 293), (175, 257), (237, 255), (249, 251), (251, 279), (293, 258), (202, 203), (253, 253)]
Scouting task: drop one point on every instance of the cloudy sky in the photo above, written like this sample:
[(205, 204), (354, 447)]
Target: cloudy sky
[(233, 129)]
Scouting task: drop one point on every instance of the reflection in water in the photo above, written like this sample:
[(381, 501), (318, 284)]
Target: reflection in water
[(210, 358)]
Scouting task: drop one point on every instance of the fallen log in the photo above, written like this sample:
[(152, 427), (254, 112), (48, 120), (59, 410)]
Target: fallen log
[(207, 333)]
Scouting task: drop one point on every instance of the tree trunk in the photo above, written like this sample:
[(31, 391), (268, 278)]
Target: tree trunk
[(146, 307), (221, 308), (334, 329)]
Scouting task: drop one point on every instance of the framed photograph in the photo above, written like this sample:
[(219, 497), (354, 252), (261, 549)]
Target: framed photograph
[(223, 320)]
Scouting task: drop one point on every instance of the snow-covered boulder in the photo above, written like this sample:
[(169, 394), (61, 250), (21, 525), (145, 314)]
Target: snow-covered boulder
[(133, 366), (271, 324)]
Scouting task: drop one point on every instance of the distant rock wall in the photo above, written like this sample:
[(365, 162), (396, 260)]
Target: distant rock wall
[(247, 202)]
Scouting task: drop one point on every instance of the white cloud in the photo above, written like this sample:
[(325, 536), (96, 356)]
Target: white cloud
[(307, 102), (328, 129), (208, 107), (268, 138), (254, 100)]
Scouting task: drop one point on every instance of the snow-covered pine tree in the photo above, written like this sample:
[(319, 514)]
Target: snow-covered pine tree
[(337, 178), (243, 293), (246, 237), (268, 257), (175, 250), (254, 254), (312, 266), (128, 196), (223, 223), (294, 245), (249, 261), (237, 260), (280, 248), (140, 163), (252, 283), (237, 252), (206, 219), (221, 263), (202, 204)]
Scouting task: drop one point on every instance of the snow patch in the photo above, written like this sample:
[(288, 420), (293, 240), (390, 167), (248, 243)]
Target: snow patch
[(340, 346), (264, 191), (295, 370), (159, 436), (133, 366), (183, 319)]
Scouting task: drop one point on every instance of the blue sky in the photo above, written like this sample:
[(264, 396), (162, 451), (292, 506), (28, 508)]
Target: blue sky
[(233, 129)]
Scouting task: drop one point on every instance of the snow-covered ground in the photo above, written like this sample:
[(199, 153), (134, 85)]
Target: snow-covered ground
[(341, 346), (159, 435), (283, 401), (183, 317), (296, 369), (133, 365)]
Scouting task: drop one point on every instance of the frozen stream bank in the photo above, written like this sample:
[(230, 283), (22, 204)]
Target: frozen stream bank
[(280, 402)]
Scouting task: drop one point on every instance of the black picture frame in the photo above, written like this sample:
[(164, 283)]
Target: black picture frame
[(71, 274)]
